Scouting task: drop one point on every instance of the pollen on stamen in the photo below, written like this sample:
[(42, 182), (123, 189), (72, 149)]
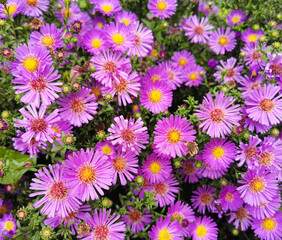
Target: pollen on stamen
[(266, 105), (121, 87), (38, 125), (257, 185), (217, 115), (77, 105), (119, 164), (86, 174), (38, 84), (101, 232), (128, 136), (57, 191), (161, 188), (135, 216)]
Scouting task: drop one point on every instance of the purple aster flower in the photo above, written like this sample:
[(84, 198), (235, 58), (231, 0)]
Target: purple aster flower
[(268, 228), (197, 29), (59, 127), (106, 7), (3, 125), (254, 54), (212, 63), (137, 220), (14, 7), (273, 68), (165, 229), (98, 22), (77, 107), (40, 85), (230, 198), (96, 89), (49, 36), (259, 186), (181, 212), (37, 124), (58, 199), (219, 154), (87, 173), (162, 8), (70, 13), (126, 88), (262, 105), (249, 84), (126, 17), (232, 73), (242, 219), (156, 169), (73, 218), (8, 226), (222, 41), (175, 74), (156, 73), (203, 229), (202, 198), (106, 148), (192, 75), (156, 97), (189, 171), (170, 135), (94, 41), (35, 8), (218, 115), (183, 58), (143, 41), (119, 36), (250, 35), (206, 8), (125, 166), (30, 58), (110, 66), (128, 134), (235, 18)]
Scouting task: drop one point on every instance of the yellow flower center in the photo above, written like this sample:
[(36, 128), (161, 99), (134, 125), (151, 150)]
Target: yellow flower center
[(47, 41), (269, 224), (155, 167), (9, 225), (154, 53), (119, 164), (193, 77), (223, 41), (218, 152), (1, 125), (107, 8), (161, 6), (155, 96), (164, 235), (11, 9), (235, 19), (257, 185), (173, 136), (31, 64), (86, 174), (106, 150), (96, 43), (201, 231), (100, 25), (32, 3), (252, 38), (125, 21), (182, 62), (118, 39), (56, 128)]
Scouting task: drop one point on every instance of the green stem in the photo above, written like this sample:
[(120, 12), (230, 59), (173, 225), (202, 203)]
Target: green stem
[(11, 20)]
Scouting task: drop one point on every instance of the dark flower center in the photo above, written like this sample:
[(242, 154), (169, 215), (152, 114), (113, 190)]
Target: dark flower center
[(38, 125)]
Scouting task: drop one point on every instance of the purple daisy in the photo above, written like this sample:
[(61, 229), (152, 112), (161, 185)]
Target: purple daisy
[(8, 226), (106, 7), (14, 7), (222, 41), (231, 73), (219, 154), (203, 229), (254, 55), (49, 36), (35, 8), (206, 8), (250, 35), (58, 199), (171, 134), (119, 36), (38, 85), (110, 66), (3, 125), (87, 173), (125, 166), (126, 18), (37, 124), (137, 220), (156, 97), (59, 127), (230, 198), (183, 58), (103, 226), (268, 228), (175, 74), (189, 172), (202, 198), (218, 115), (143, 41), (156, 73), (98, 22), (156, 169), (165, 229), (235, 18), (197, 29), (242, 219), (162, 8), (273, 68), (259, 186), (192, 75), (70, 13), (77, 107), (94, 41), (128, 134), (106, 148), (95, 88), (249, 84), (263, 106)]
